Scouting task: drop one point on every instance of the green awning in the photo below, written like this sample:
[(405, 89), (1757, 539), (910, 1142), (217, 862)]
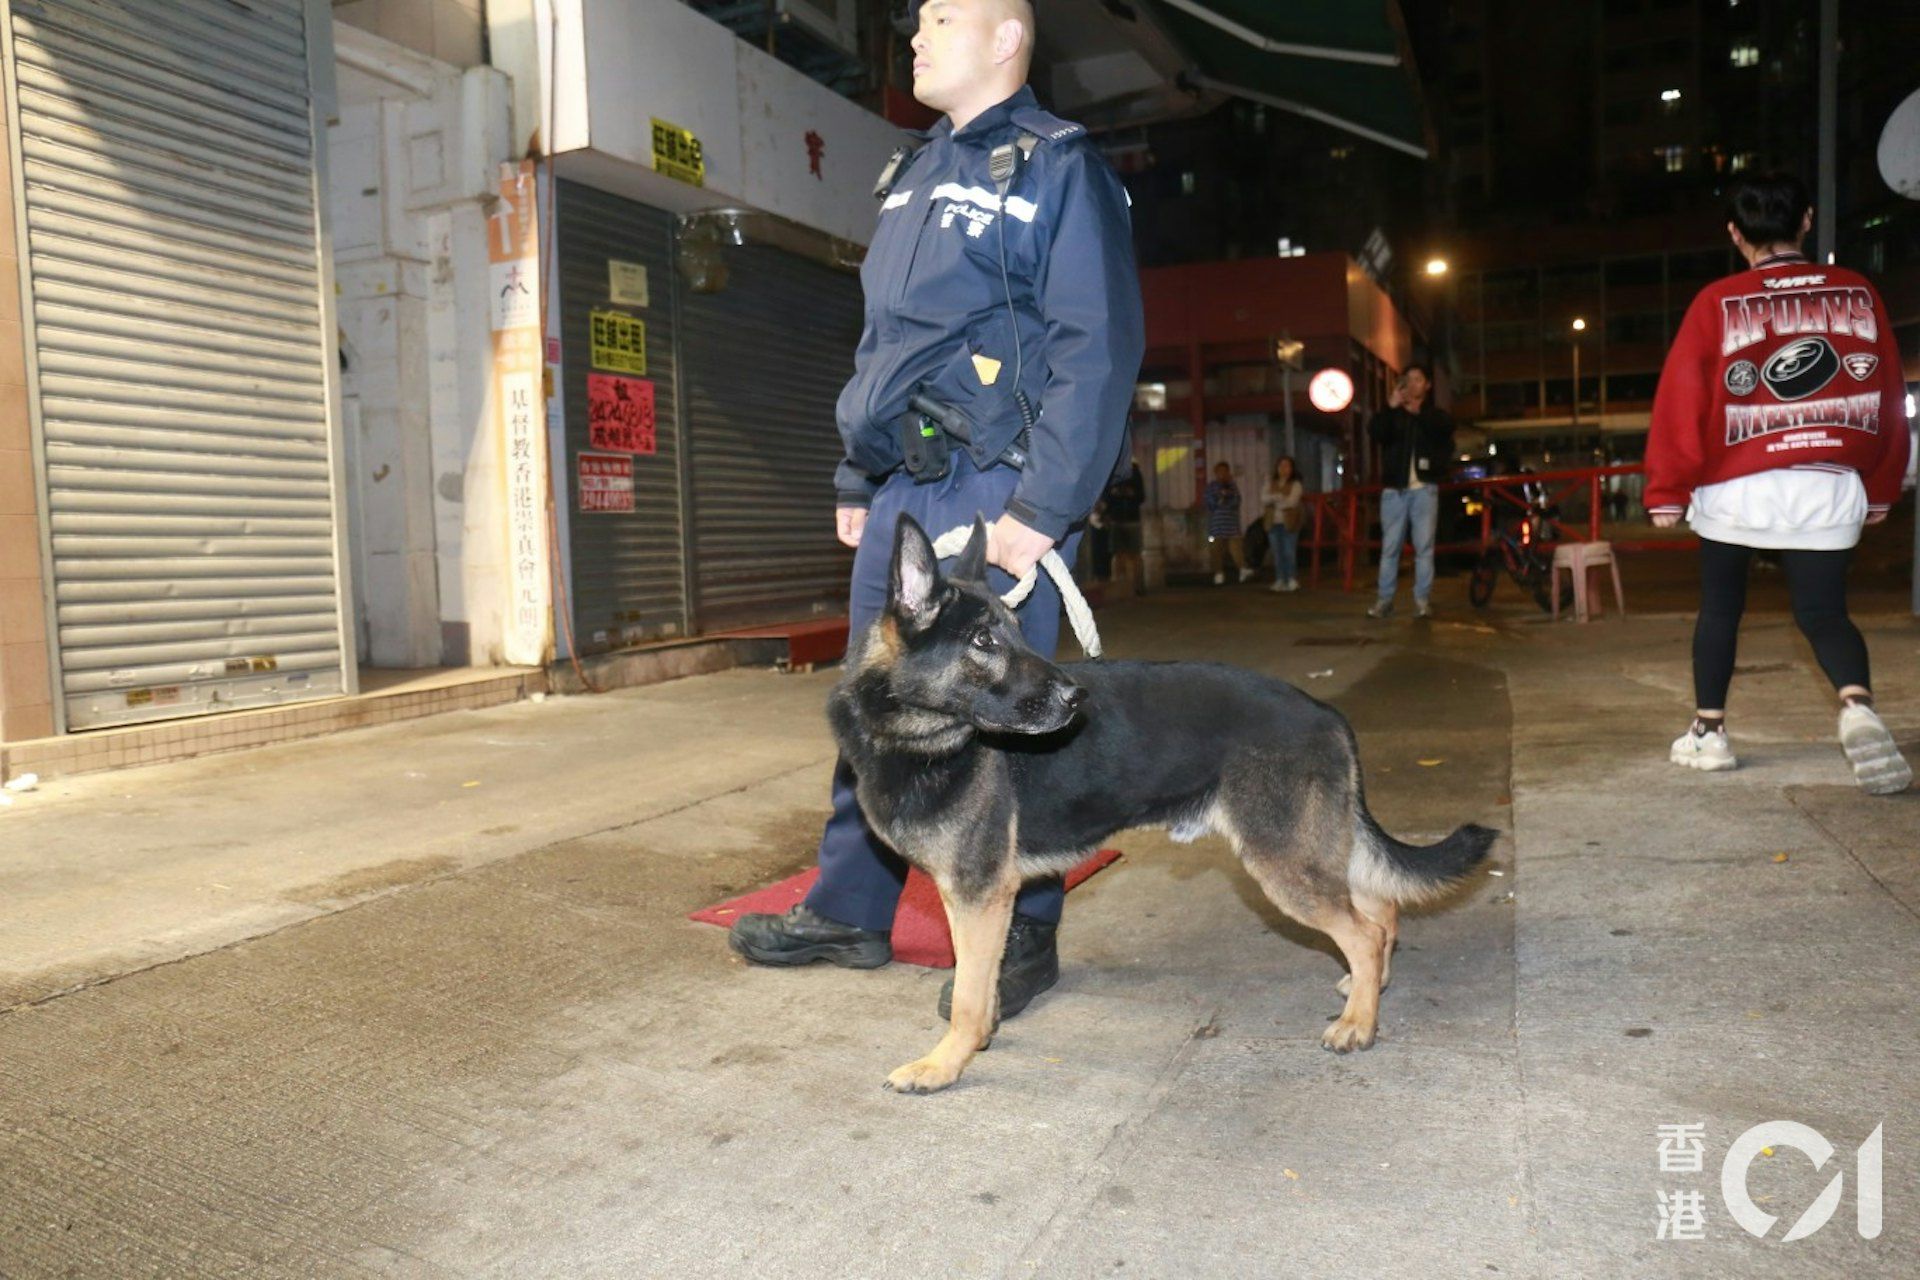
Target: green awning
[(1343, 62)]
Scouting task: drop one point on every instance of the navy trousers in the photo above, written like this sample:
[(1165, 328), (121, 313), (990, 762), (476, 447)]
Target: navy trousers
[(860, 878)]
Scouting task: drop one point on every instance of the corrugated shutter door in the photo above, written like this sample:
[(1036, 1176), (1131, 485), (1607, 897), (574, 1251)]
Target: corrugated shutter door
[(167, 154), (765, 359), (628, 577)]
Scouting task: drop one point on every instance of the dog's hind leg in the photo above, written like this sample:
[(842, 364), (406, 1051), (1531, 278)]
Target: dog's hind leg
[(979, 927), (1364, 943), (1387, 916), (1298, 850), (1323, 903)]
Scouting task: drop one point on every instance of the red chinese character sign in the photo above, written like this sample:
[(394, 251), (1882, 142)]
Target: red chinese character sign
[(513, 255), (620, 413), (606, 482)]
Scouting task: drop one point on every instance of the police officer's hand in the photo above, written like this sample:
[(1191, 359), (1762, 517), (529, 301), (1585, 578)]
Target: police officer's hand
[(849, 523), (1666, 520), (1014, 547), (1876, 517)]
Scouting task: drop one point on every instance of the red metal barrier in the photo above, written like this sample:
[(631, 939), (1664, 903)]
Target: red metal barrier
[(1348, 515)]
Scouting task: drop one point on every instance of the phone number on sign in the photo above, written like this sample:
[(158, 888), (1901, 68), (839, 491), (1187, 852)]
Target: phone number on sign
[(620, 413)]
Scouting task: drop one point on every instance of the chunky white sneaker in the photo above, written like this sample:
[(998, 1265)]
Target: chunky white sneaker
[(1219, 579), (1381, 609), (1709, 751), (1278, 586), (1246, 575), (1877, 763)]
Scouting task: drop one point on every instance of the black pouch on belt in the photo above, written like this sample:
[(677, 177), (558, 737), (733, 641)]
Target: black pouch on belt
[(925, 450)]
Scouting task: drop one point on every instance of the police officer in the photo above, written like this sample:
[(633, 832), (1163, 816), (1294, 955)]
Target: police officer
[(1002, 341)]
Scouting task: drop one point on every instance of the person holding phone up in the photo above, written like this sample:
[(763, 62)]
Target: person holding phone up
[(1415, 440)]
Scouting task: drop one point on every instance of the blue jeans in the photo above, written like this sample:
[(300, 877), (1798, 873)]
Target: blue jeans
[(1399, 510), (860, 878), (1285, 545)]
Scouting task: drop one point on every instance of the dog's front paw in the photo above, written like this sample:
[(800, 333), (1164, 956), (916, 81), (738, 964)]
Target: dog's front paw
[(1344, 1036), (928, 1075)]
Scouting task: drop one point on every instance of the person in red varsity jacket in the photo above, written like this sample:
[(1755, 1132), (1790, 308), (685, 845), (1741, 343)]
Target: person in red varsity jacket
[(1781, 423)]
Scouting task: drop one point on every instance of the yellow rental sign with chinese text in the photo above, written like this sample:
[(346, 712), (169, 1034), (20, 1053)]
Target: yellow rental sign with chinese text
[(618, 342), (676, 153)]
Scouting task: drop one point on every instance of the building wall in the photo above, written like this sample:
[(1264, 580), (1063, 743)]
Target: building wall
[(618, 65), (451, 31), (1512, 298), (413, 162), (26, 686)]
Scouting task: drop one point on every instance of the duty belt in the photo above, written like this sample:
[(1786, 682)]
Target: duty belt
[(926, 435)]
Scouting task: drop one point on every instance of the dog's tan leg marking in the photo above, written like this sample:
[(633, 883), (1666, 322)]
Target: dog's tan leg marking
[(1387, 916), (979, 941), (1362, 941)]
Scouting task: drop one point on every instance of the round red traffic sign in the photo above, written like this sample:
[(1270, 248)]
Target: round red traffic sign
[(1331, 390)]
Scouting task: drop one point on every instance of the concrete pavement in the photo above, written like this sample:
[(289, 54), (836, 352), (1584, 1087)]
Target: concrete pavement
[(328, 1009)]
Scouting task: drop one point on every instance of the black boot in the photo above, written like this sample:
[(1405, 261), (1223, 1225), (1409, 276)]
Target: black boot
[(1031, 965), (802, 936)]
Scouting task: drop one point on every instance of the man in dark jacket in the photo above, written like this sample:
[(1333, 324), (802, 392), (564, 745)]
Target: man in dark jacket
[(1416, 442), (1030, 372)]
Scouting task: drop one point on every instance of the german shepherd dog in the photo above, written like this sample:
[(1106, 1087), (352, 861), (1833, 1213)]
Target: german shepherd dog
[(986, 766)]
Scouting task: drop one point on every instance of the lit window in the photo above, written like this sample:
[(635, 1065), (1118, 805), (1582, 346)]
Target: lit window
[(1675, 158), (1670, 101), (1744, 55), (1743, 161), (1186, 183)]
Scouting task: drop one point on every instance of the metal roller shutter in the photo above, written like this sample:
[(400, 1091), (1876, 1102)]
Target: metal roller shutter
[(628, 573), (166, 149), (764, 360)]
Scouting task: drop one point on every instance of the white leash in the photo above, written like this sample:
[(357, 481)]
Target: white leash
[(1079, 613)]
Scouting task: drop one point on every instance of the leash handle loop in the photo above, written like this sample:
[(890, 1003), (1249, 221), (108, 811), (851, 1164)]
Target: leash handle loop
[(1079, 612)]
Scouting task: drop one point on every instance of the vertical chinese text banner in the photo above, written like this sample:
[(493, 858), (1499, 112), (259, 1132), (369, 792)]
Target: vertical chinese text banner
[(513, 253)]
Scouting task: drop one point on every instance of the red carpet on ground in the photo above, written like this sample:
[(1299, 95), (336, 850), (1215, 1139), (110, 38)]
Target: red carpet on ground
[(919, 923)]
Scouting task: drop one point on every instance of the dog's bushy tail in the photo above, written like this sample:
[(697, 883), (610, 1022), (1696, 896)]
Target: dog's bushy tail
[(1399, 872)]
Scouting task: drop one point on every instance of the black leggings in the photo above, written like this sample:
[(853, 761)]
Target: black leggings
[(1817, 582)]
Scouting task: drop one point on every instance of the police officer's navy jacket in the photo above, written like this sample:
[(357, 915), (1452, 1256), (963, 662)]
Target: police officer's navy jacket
[(937, 322)]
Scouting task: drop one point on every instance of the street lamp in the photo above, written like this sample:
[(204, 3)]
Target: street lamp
[(1290, 352), (1436, 266), (1579, 327)]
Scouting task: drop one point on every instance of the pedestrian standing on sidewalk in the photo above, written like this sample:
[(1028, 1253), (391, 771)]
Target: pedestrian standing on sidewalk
[(1780, 423), (1224, 533), (1123, 502), (1038, 360), (1284, 505), (1416, 440)]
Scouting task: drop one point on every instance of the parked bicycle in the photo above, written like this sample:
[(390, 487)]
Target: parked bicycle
[(1518, 549)]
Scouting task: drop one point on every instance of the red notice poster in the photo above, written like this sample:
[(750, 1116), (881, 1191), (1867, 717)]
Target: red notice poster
[(606, 482), (620, 413)]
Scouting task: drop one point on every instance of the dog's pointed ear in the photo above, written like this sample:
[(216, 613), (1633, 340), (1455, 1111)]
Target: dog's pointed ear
[(916, 591), (972, 566)]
